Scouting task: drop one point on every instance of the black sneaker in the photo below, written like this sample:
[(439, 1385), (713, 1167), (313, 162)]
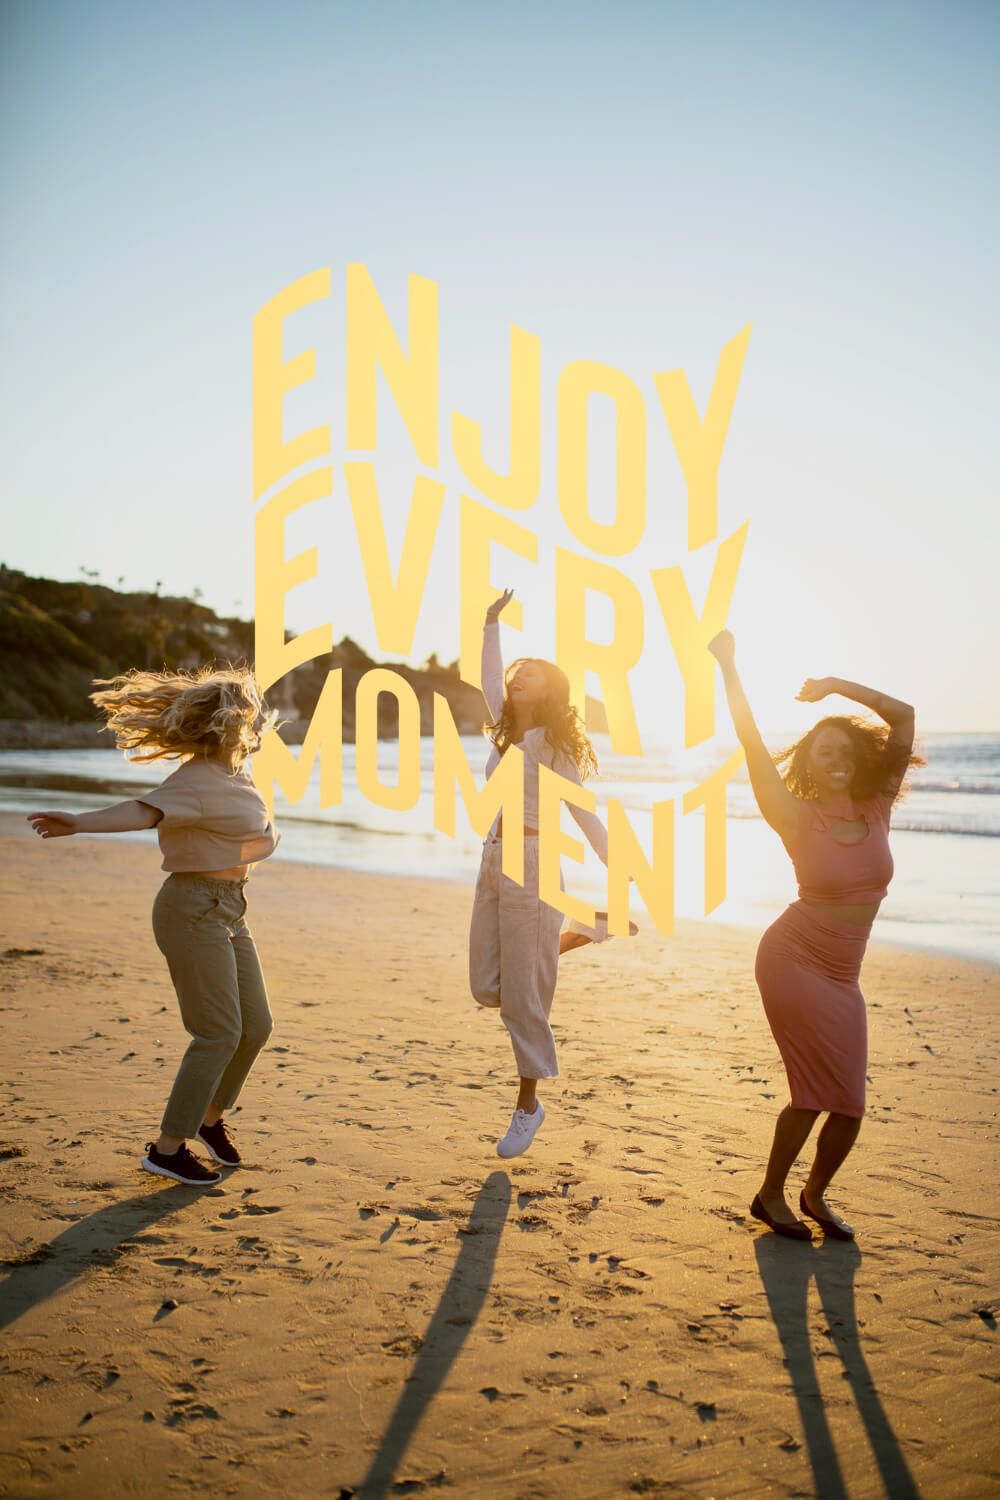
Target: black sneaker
[(220, 1147), (180, 1165)]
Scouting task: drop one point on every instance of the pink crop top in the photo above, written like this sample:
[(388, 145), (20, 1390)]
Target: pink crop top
[(838, 874)]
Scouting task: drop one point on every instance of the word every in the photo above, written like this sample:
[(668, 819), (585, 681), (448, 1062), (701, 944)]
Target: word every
[(373, 348)]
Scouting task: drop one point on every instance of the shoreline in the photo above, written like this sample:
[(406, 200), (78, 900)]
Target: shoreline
[(694, 924), (14, 822)]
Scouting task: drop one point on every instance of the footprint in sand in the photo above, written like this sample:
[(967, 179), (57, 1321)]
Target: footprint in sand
[(531, 1195), (28, 1257), (252, 1244), (581, 1211), (185, 1410), (250, 1208), (404, 1346)]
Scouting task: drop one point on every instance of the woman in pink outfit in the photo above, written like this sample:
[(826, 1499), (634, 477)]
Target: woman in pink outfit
[(831, 809)]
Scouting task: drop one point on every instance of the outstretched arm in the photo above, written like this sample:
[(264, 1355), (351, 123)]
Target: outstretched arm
[(590, 825), (777, 804), (898, 715), (122, 817), (491, 673), (593, 831)]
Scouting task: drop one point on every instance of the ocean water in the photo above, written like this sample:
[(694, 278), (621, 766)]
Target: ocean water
[(945, 840)]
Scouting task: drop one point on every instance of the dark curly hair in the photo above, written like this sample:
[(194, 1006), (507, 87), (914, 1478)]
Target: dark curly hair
[(880, 763), (556, 714)]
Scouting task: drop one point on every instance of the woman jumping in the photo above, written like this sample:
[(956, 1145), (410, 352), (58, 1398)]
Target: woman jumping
[(831, 808), (213, 826), (514, 938)]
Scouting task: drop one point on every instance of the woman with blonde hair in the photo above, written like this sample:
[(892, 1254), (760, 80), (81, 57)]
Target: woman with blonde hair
[(212, 826), (831, 809), (514, 937)]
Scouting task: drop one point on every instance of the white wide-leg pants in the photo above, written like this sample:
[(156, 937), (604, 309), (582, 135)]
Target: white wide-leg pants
[(514, 956)]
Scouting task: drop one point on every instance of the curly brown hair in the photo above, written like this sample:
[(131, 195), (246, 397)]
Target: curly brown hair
[(556, 714), (182, 715), (880, 762)]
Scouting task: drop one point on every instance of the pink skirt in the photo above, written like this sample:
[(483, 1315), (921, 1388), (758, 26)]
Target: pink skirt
[(807, 972)]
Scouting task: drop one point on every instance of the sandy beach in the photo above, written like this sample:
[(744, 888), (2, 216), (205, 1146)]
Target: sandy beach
[(375, 1304)]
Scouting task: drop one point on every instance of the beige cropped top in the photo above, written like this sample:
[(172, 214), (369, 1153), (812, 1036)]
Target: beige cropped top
[(213, 818), (537, 751)]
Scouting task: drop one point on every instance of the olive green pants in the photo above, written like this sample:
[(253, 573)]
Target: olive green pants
[(198, 922)]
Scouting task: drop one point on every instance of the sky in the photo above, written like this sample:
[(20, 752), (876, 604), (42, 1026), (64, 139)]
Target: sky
[(634, 185)]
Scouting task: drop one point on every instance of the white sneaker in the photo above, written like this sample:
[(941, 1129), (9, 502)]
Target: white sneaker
[(521, 1131)]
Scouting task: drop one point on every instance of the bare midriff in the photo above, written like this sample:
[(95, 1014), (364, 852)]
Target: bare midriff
[(861, 916), (500, 829), (236, 872)]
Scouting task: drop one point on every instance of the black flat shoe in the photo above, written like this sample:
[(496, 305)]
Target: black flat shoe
[(181, 1165), (219, 1144), (793, 1231), (827, 1225)]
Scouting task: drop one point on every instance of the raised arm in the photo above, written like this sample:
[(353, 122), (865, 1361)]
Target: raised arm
[(900, 716), (777, 804), (121, 817), (491, 673)]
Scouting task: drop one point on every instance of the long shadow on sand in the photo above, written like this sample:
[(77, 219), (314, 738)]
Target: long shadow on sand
[(454, 1318), (93, 1241), (786, 1270)]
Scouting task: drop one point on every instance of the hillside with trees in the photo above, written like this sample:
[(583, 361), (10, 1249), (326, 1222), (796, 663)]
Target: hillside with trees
[(56, 637)]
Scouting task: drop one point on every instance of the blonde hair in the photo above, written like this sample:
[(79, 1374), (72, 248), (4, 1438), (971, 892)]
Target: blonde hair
[(181, 715)]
